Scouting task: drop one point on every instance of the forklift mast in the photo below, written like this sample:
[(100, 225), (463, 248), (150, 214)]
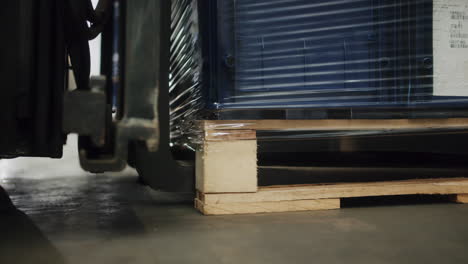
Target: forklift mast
[(121, 116)]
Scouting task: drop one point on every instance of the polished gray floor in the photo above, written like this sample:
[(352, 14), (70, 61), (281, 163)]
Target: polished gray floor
[(64, 215)]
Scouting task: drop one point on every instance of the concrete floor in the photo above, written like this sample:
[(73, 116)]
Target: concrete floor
[(73, 217)]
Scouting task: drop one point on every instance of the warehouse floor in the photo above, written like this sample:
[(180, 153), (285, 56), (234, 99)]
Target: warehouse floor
[(74, 217)]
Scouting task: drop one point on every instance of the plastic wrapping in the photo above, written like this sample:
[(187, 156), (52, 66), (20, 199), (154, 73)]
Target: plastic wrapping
[(311, 56), (186, 66)]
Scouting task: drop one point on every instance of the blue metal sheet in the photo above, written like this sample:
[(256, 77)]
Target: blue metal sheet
[(302, 54)]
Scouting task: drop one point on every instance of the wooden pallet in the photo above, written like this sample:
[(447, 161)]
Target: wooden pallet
[(226, 169)]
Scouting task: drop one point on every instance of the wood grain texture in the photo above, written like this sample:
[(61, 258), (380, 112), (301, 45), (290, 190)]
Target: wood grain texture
[(336, 124), (227, 167), (293, 193), (266, 207), (230, 135)]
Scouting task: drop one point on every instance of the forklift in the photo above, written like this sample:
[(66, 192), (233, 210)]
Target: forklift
[(121, 116)]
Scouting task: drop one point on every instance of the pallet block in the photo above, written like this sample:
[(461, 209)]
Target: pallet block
[(461, 198), (226, 173), (227, 163)]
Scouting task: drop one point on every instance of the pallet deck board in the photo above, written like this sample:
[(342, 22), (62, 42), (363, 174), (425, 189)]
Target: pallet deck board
[(266, 207), (344, 190), (335, 124), (320, 197)]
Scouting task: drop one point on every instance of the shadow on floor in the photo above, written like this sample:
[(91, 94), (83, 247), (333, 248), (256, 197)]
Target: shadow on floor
[(21, 241), (396, 200)]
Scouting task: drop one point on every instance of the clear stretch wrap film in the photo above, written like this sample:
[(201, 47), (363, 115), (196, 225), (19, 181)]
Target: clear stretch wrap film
[(313, 55), (185, 89)]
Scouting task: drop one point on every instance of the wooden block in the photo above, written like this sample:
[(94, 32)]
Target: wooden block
[(227, 167), (308, 192), (461, 198), (266, 207)]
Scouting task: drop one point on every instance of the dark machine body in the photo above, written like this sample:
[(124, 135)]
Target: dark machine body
[(32, 67), (43, 40)]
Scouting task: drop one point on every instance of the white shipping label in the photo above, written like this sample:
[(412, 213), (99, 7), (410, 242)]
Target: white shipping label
[(450, 42)]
